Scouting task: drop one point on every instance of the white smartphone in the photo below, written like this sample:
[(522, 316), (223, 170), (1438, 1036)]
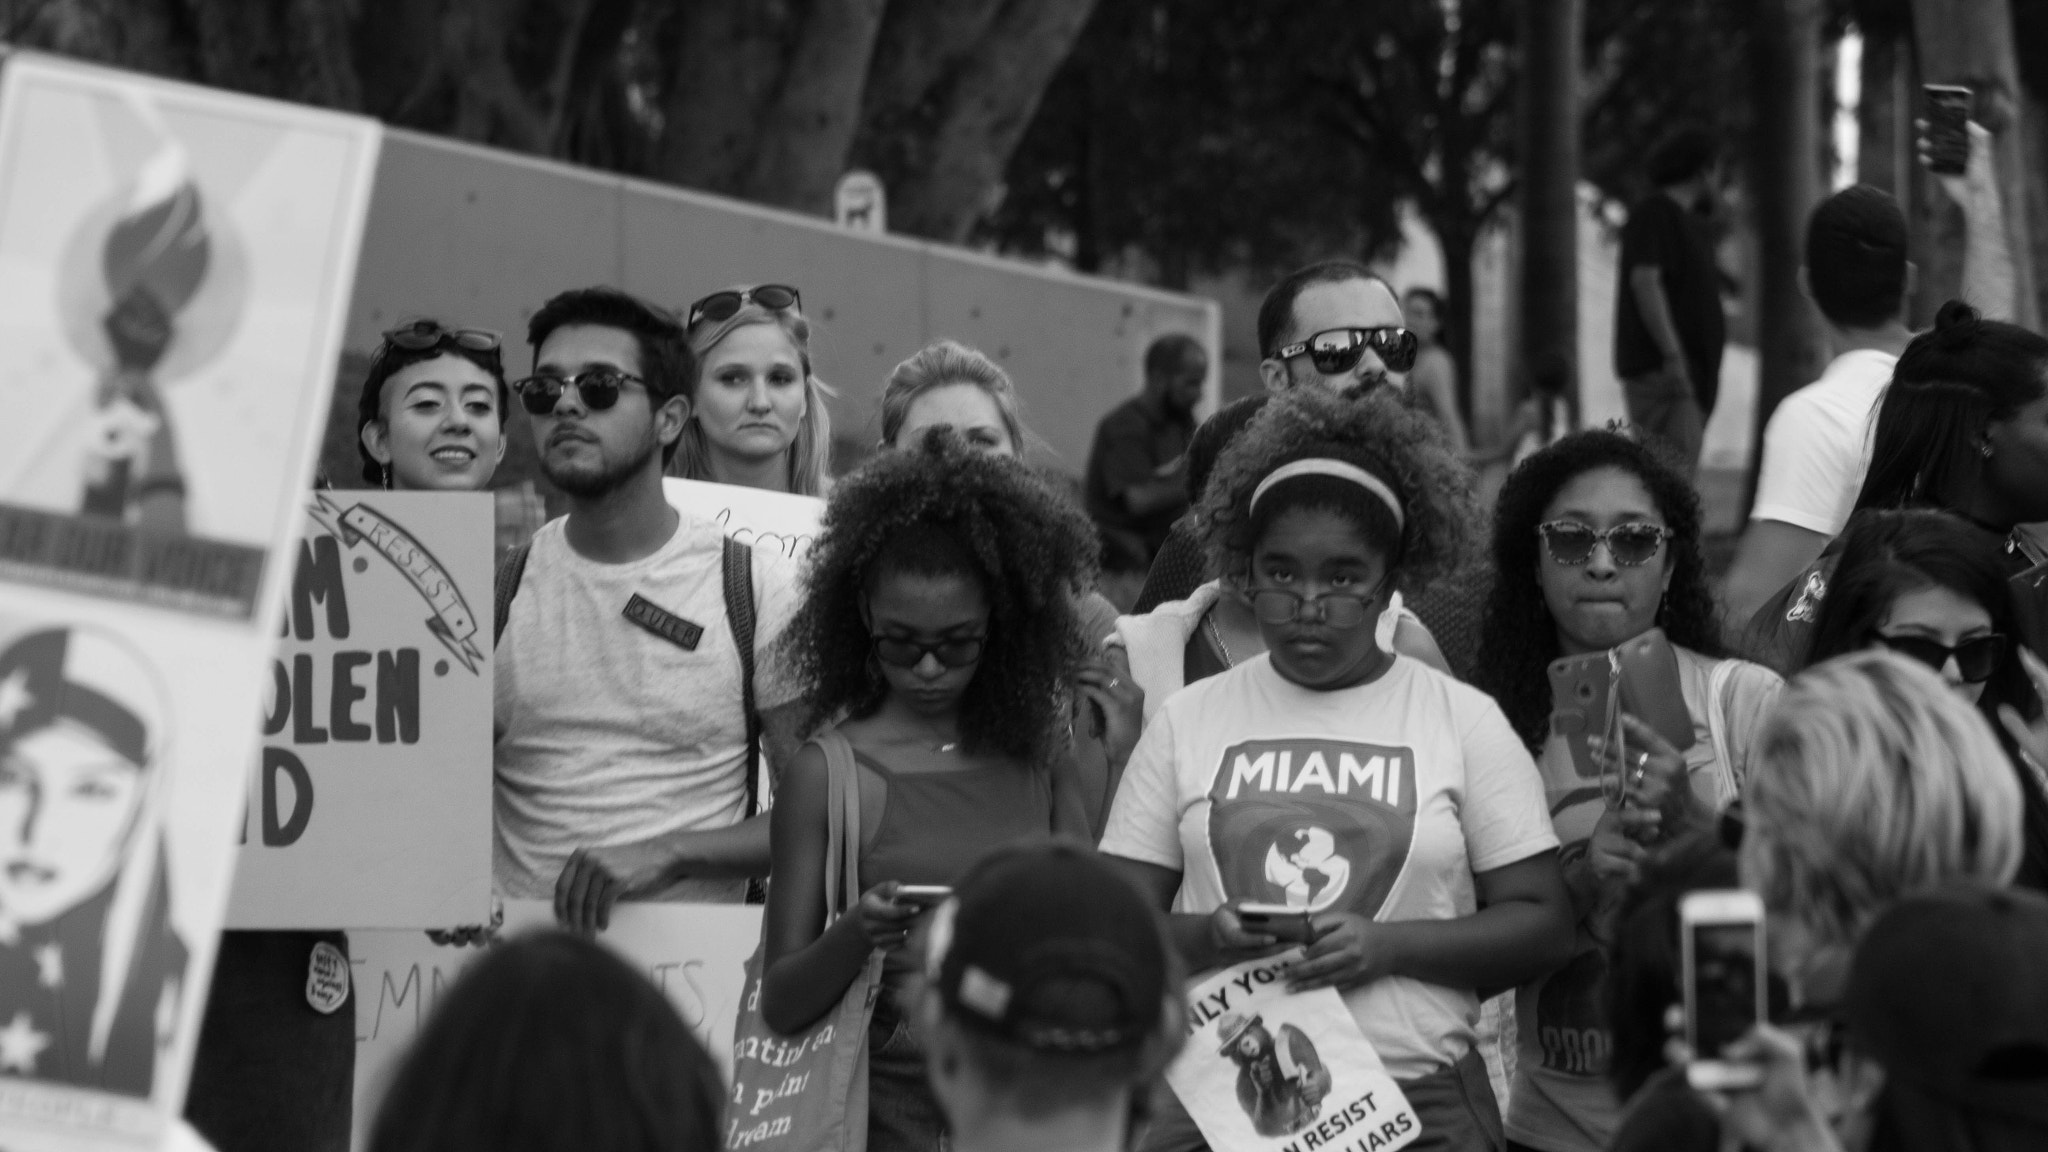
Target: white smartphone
[(1276, 920), (1725, 976), (926, 894)]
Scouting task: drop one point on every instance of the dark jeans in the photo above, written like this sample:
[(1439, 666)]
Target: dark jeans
[(903, 1116), (272, 1074)]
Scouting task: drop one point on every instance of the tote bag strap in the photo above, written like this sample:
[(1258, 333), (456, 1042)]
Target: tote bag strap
[(842, 825), (1727, 785)]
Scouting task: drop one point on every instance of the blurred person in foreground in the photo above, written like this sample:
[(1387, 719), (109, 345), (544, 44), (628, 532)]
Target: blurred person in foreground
[(1134, 486), (552, 1043), (1052, 1004)]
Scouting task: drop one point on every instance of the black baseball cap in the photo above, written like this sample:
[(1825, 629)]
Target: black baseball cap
[(1046, 945)]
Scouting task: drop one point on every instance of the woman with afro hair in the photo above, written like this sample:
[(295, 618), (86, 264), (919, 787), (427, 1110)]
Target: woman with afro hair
[(939, 637), (1596, 540), (1388, 804)]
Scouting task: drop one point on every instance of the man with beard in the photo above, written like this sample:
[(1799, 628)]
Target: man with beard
[(625, 703)]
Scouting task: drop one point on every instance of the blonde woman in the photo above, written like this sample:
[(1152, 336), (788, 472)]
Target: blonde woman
[(758, 417)]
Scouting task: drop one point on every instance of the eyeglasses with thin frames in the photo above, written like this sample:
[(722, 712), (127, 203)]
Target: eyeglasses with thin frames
[(598, 387)]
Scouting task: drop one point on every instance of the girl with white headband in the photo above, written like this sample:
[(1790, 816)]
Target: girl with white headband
[(1390, 803)]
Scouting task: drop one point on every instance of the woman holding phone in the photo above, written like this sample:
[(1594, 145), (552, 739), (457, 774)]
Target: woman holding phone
[(938, 636), (1597, 541), (1421, 886)]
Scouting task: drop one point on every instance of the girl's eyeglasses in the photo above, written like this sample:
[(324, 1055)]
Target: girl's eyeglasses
[(1976, 658), (1571, 543), (722, 306), (900, 653)]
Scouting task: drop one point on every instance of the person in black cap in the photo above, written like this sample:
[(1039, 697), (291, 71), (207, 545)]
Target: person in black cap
[(1051, 1004), (90, 968)]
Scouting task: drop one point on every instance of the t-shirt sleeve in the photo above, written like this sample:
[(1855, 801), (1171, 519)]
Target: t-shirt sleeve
[(1144, 818), (776, 595), (1747, 700), (1648, 238), (1505, 816), (1807, 461)]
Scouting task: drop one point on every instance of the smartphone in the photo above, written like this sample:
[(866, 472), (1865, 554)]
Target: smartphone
[(1581, 696), (1649, 687), (926, 894), (2030, 605), (1722, 945), (1948, 133), (1276, 920)]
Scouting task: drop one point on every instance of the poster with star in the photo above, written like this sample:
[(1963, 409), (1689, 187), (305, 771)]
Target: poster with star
[(370, 805), (174, 267)]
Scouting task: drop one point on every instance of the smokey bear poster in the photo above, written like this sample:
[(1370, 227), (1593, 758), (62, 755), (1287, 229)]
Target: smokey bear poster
[(1265, 1070), (370, 805)]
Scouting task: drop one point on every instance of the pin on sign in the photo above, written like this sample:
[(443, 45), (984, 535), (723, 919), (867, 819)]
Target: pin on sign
[(859, 203)]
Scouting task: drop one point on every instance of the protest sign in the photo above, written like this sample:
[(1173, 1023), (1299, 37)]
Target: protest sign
[(1266, 1070), (174, 268), (696, 953), (370, 806), (770, 521)]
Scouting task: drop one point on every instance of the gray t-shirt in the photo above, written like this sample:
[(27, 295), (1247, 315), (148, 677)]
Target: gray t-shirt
[(607, 733)]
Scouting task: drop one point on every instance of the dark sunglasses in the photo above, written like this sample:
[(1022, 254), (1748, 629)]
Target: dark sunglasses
[(1571, 542), (1340, 349), (1976, 658), (599, 388), (901, 653), (1337, 609), (420, 335), (722, 306)]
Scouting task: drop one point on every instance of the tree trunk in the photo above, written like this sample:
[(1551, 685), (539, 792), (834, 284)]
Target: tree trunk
[(727, 63), (1548, 297), (808, 129), (1785, 51), (1970, 42), (1458, 238), (1883, 148), (920, 42), (985, 112)]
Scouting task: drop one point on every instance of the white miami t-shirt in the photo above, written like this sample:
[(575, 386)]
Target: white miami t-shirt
[(1383, 799)]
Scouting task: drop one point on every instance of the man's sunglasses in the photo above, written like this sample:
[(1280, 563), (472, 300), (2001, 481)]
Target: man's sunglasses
[(425, 335), (900, 653), (599, 388), (1571, 542), (1976, 658), (722, 306), (1340, 349)]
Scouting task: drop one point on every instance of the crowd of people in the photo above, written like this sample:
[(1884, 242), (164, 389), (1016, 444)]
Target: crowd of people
[(1340, 693)]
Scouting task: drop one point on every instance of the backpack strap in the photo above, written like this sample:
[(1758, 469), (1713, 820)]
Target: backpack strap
[(739, 613), (511, 569)]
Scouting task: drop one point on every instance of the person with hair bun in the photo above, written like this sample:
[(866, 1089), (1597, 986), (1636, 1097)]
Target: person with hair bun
[(758, 416), (1597, 541), (939, 637), (1391, 804)]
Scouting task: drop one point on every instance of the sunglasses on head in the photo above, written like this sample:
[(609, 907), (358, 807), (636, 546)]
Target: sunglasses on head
[(1571, 542), (1340, 349), (901, 653), (599, 388), (424, 335), (1976, 658), (722, 306)]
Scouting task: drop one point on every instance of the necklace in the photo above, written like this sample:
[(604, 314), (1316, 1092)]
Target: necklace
[(1217, 636), (948, 747)]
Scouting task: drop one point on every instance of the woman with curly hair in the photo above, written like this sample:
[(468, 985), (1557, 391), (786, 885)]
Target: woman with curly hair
[(1388, 803), (1596, 540), (938, 635)]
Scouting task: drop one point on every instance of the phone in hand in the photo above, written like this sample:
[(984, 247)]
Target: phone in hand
[(2030, 605), (923, 894), (1722, 945), (1582, 702), (1948, 132), (1277, 920), (1650, 690)]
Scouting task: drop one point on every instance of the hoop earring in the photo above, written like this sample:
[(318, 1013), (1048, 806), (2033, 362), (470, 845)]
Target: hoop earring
[(386, 470)]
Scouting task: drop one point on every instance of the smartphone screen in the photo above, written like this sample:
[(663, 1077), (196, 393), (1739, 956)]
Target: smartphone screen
[(1948, 134), (1724, 995)]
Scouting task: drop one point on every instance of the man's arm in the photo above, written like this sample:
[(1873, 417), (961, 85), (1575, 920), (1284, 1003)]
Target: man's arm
[(1772, 552), (1988, 277), (596, 878), (1646, 281)]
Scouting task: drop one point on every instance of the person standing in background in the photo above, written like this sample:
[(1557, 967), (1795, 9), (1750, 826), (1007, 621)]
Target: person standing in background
[(1433, 382), (1668, 324), (758, 417), (1134, 485)]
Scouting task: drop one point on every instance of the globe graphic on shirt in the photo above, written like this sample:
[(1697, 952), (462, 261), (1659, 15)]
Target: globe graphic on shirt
[(1306, 865)]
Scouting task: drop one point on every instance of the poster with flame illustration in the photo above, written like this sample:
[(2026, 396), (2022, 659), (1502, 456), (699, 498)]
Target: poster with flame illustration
[(174, 268)]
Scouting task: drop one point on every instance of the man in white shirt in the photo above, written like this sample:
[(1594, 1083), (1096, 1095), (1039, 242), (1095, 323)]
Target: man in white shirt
[(1817, 443), (621, 737)]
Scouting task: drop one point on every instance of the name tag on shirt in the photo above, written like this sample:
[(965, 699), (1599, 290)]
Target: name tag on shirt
[(664, 623)]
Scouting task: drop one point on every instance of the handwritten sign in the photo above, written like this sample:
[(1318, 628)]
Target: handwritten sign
[(1265, 1070), (771, 521), (696, 953), (371, 804), (175, 264)]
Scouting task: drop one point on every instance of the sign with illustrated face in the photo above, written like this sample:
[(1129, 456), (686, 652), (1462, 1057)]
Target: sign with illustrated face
[(1320, 824), (370, 806), (174, 266)]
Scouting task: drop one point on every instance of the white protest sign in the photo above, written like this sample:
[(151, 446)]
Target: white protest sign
[(175, 264), (772, 521), (371, 804), (696, 953), (1266, 1070)]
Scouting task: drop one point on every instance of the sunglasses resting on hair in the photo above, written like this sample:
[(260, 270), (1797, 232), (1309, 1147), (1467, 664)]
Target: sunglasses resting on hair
[(722, 306)]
